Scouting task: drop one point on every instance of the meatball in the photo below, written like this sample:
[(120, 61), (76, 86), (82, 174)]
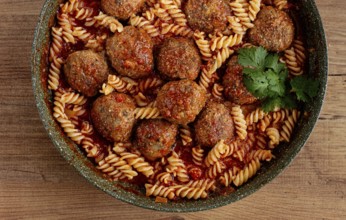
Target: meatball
[(234, 88), (181, 101), (113, 116), (155, 138), (121, 9), (131, 52), (273, 29), (207, 15), (178, 58), (214, 123), (86, 71)]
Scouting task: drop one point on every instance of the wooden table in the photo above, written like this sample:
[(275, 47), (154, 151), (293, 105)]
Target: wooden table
[(37, 183)]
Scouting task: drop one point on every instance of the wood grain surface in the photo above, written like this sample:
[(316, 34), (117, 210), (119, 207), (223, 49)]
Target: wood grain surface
[(36, 182)]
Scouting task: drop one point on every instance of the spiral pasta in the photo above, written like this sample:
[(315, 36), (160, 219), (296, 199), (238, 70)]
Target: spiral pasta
[(254, 8), (219, 59), (197, 155), (138, 163), (228, 177), (288, 126), (174, 11), (186, 135), (255, 116), (159, 190), (147, 113), (106, 21), (177, 166), (149, 83), (274, 136), (215, 154), (222, 41), (190, 192), (143, 23), (215, 170), (280, 4), (175, 29), (245, 174), (203, 45), (55, 61), (239, 121)]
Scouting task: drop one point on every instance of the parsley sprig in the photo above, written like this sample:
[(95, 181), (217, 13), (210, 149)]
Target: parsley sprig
[(267, 79)]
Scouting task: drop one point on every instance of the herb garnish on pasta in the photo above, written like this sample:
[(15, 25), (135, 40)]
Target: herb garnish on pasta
[(267, 79)]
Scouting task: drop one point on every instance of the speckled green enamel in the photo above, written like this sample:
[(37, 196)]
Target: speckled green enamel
[(318, 65)]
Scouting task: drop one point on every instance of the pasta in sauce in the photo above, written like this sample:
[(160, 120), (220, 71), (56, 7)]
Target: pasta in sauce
[(180, 136)]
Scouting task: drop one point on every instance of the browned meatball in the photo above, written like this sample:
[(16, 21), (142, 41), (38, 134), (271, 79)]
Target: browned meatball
[(181, 101), (214, 123), (131, 52), (155, 138), (178, 58), (113, 116), (207, 15), (235, 89), (121, 9), (86, 71), (274, 30)]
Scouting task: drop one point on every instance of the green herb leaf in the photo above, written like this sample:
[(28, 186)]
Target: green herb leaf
[(253, 57), (305, 88)]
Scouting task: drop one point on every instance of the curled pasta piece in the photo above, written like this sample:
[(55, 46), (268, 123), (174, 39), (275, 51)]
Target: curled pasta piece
[(261, 141), (219, 59), (71, 6), (280, 115), (97, 43), (239, 121), (84, 13), (255, 116), (186, 135), (138, 163), (204, 79), (147, 113), (274, 136), (87, 128), (228, 177), (215, 153), (203, 45), (288, 126), (291, 60), (235, 25), (175, 29), (118, 164), (119, 84), (245, 174), (262, 155), (106, 21), (299, 49), (159, 190), (174, 11), (73, 98), (197, 155), (149, 83), (143, 23), (215, 170), (93, 150), (281, 4), (70, 130), (254, 8), (177, 166), (55, 61), (207, 184), (141, 100), (232, 147), (66, 24), (165, 177), (162, 14), (242, 14), (264, 123), (190, 192), (82, 34), (217, 91), (222, 41)]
